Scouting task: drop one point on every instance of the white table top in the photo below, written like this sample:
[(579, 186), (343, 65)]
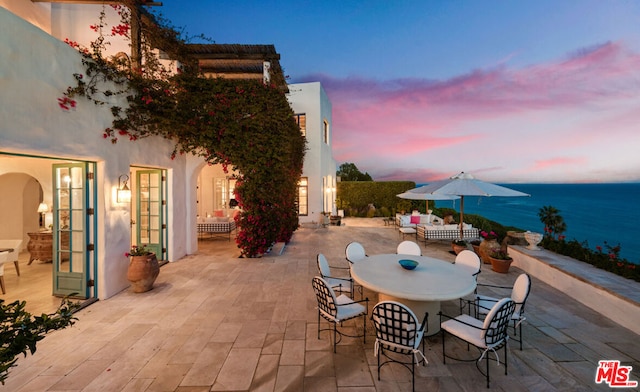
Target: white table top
[(431, 280)]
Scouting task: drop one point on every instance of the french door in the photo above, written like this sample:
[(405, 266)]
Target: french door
[(74, 254), (151, 192)]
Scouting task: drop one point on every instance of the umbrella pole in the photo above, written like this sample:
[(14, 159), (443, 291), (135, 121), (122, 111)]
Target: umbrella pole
[(461, 214)]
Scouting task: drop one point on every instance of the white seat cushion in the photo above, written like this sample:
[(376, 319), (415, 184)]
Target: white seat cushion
[(466, 332), (348, 309)]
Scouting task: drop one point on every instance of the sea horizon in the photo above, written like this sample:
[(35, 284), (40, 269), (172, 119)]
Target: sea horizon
[(595, 213)]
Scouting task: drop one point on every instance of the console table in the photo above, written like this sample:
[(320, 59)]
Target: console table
[(40, 246)]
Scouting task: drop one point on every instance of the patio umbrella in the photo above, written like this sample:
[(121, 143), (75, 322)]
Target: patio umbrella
[(462, 185), (410, 195)]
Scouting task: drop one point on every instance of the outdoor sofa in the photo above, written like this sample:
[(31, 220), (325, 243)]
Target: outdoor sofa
[(447, 232)]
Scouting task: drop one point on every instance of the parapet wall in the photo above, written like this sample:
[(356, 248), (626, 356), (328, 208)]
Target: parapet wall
[(583, 282)]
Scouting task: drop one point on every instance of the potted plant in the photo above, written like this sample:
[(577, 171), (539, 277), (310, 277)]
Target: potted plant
[(488, 245), (476, 246), (459, 245), (143, 268), (500, 261)]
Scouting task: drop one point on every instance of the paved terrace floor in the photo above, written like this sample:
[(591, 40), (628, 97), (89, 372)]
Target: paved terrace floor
[(215, 322)]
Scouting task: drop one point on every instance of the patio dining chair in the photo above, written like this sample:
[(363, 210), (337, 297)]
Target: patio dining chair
[(337, 310), (354, 252), (488, 335), (343, 284), (409, 248), (469, 261), (519, 294), (398, 330)]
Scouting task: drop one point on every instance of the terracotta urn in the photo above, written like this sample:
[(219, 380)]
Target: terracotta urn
[(458, 248), (487, 247), (500, 265), (143, 271)]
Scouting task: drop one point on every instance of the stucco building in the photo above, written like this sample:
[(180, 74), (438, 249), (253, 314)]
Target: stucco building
[(59, 158)]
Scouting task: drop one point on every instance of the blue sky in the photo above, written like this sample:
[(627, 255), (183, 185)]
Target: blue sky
[(510, 91)]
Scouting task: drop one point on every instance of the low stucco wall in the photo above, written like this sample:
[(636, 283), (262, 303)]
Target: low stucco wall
[(555, 270)]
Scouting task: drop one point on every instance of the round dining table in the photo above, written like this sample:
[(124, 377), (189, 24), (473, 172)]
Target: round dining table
[(421, 289)]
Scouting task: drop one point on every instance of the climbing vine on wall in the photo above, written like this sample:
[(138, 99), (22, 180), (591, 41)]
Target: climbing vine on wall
[(244, 125)]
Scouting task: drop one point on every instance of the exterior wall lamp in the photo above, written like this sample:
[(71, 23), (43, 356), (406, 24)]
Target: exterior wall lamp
[(124, 193)]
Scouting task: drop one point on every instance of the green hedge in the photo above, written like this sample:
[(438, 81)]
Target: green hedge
[(355, 197)]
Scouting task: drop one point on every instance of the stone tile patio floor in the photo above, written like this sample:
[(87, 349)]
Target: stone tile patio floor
[(216, 322)]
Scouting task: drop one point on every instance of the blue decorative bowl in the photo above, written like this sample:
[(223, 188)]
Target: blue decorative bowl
[(408, 264)]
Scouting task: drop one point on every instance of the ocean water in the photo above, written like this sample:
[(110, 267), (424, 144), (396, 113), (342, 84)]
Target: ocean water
[(593, 212)]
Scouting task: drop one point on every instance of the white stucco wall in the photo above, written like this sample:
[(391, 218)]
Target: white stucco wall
[(35, 68), (311, 99), (39, 14)]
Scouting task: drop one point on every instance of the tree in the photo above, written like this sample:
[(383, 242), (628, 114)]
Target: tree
[(553, 223), (349, 172), (20, 331)]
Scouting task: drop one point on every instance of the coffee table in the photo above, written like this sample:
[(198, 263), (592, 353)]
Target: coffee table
[(421, 289)]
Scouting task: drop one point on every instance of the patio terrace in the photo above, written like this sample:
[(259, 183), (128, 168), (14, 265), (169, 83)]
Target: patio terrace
[(215, 322)]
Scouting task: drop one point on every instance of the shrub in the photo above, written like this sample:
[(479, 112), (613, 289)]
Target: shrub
[(606, 258)]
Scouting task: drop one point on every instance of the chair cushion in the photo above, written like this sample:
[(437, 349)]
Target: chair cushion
[(485, 303), (339, 284), (466, 332), (348, 309)]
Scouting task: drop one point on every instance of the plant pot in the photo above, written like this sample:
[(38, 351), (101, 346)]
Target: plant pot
[(476, 248), (458, 248), (143, 271), (488, 247), (500, 265)]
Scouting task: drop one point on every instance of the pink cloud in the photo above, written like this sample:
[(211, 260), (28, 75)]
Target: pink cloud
[(560, 161), (380, 124)]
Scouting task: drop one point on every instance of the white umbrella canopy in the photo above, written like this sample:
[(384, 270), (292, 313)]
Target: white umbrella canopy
[(464, 184), (411, 195)]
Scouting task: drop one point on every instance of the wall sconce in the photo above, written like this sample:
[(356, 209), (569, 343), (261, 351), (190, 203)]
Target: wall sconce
[(124, 193), (42, 209)]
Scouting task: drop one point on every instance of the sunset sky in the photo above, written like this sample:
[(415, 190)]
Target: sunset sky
[(509, 91)]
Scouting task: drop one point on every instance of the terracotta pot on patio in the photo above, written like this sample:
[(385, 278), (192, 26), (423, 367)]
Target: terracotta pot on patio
[(143, 271), (500, 265), (458, 248), (486, 248)]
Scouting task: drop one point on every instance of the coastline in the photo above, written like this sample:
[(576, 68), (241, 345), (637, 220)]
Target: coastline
[(594, 213)]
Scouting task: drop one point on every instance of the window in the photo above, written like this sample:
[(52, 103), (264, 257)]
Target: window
[(301, 120), (326, 131), (303, 196)]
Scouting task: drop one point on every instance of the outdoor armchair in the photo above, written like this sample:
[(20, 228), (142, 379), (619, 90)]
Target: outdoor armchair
[(487, 336), (354, 252), (336, 310), (519, 294), (340, 284), (398, 330), (469, 261), (409, 248)]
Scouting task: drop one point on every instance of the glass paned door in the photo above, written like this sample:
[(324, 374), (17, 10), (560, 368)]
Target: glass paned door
[(72, 228), (151, 226)]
